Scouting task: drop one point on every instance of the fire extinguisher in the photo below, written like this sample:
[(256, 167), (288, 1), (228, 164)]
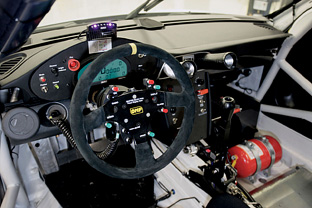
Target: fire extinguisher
[(255, 155)]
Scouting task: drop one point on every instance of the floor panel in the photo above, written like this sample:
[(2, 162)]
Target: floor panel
[(292, 189)]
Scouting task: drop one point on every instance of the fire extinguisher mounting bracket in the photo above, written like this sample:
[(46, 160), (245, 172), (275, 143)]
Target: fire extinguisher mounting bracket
[(271, 150), (251, 147)]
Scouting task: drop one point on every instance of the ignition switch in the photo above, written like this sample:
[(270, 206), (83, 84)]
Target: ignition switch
[(56, 111)]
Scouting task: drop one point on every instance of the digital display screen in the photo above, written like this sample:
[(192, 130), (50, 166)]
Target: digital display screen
[(115, 69)]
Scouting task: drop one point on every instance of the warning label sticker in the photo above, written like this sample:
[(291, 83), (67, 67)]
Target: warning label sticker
[(256, 150), (99, 46)]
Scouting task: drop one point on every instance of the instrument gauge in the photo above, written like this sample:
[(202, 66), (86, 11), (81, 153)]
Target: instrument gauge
[(190, 67), (115, 69)]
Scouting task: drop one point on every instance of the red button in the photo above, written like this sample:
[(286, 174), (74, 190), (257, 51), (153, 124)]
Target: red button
[(73, 64), (151, 82), (115, 89), (237, 110), (42, 79), (202, 92), (164, 110)]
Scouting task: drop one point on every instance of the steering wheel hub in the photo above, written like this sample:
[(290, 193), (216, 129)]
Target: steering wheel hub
[(134, 111)]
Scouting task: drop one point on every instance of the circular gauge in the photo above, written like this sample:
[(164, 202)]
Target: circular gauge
[(229, 60), (190, 67), (222, 61)]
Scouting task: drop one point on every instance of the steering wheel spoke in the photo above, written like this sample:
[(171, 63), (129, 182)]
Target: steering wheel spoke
[(144, 155), (94, 119), (174, 99)]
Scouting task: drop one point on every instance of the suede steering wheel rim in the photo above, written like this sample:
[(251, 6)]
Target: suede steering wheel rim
[(146, 164)]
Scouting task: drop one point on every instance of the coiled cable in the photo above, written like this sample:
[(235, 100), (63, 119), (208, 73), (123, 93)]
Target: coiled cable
[(63, 125)]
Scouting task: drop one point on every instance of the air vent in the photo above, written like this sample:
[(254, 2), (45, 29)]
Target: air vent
[(266, 26), (9, 65)]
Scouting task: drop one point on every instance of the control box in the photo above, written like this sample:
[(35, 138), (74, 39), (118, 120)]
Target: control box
[(101, 30), (167, 130)]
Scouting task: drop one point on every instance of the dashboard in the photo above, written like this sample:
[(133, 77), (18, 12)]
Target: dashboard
[(44, 74), (55, 79)]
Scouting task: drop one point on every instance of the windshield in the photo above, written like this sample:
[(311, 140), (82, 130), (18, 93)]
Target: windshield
[(69, 10)]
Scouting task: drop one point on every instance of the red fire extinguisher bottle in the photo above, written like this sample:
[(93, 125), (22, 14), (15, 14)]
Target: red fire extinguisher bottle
[(255, 155)]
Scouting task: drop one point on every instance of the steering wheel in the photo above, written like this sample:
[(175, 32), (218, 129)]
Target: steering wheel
[(147, 102)]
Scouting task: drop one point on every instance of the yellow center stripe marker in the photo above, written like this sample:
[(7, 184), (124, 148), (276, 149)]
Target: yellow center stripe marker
[(134, 48)]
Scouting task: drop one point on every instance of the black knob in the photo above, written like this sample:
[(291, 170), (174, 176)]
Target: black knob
[(173, 110), (199, 81), (55, 71)]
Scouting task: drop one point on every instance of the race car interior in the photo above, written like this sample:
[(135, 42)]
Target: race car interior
[(157, 111)]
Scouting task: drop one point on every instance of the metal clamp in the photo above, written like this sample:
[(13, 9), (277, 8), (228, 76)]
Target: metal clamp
[(271, 150), (251, 147)]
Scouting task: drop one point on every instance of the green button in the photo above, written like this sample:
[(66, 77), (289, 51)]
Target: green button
[(151, 134), (157, 87), (56, 86), (108, 125)]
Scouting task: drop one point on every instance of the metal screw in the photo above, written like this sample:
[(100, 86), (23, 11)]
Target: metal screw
[(134, 96), (148, 114), (174, 120), (126, 120), (141, 55), (215, 171)]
